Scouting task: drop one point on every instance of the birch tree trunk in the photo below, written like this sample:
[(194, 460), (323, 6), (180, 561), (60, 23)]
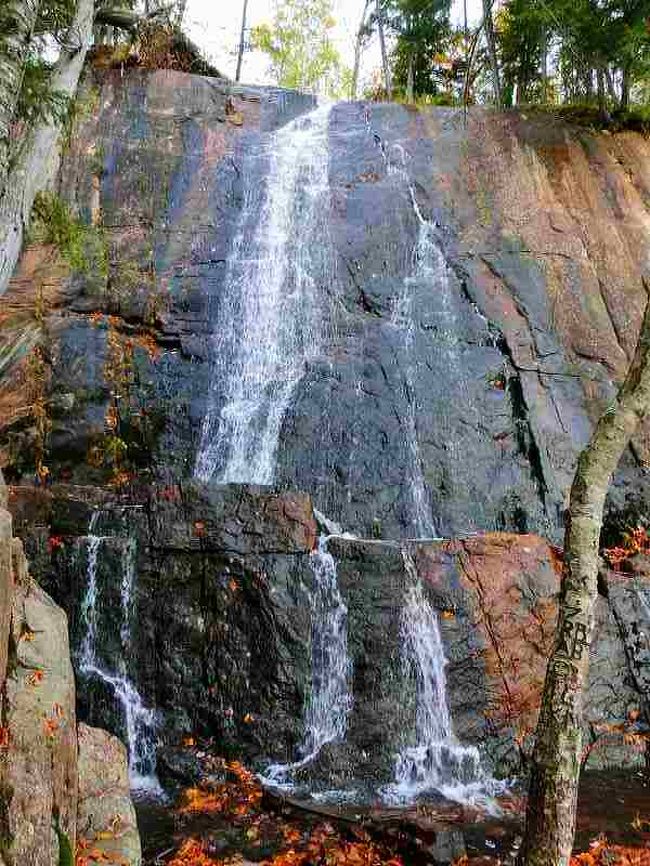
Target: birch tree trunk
[(553, 791), (600, 87), (409, 78), (492, 50), (384, 56), (20, 16), (625, 87), (358, 45), (36, 164)]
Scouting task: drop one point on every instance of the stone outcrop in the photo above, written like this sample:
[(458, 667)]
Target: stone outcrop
[(221, 636), (542, 230), (39, 761), (483, 302), (106, 821)]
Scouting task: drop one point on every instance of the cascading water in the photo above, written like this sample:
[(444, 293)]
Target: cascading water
[(402, 317), (270, 321), (330, 700), (437, 762), (429, 267), (139, 721)]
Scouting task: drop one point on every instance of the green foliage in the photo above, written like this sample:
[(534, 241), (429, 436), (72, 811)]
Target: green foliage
[(422, 29), (299, 45), (37, 101), (636, 118), (66, 854), (81, 245), (522, 28), (590, 47)]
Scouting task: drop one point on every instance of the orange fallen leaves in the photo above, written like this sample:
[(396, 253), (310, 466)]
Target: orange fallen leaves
[(192, 853), (601, 853), (54, 542), (121, 478), (237, 798), (50, 727), (201, 800), (635, 541), (88, 854)]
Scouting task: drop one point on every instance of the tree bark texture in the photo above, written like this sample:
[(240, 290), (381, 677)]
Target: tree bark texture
[(37, 163), (409, 79), (492, 50), (553, 791), (384, 56), (358, 46), (21, 16)]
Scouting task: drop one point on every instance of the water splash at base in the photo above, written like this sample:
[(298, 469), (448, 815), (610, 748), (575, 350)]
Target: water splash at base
[(437, 763)]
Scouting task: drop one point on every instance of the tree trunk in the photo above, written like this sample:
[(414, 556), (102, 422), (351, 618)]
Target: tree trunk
[(625, 88), (384, 56), (544, 66), (553, 792), (242, 37), (409, 78), (602, 101), (37, 163), (492, 50), (611, 87), (358, 45), (14, 45)]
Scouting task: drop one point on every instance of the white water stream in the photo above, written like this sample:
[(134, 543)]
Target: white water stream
[(270, 319), (437, 761), (330, 699), (139, 721)]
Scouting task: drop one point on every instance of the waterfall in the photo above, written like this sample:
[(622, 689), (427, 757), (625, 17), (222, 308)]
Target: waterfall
[(437, 761), (403, 318), (330, 699), (428, 266), (139, 721), (269, 323)]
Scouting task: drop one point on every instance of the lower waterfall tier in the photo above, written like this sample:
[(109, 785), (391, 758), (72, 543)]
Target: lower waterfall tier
[(446, 640)]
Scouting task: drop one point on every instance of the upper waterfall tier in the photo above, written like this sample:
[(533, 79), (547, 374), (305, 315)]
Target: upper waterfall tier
[(412, 317), (272, 315)]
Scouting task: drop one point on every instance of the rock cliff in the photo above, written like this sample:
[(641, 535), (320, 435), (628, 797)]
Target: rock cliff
[(415, 316), (46, 768), (535, 235), (222, 636)]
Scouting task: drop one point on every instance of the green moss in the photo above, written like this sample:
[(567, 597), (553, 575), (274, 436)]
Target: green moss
[(84, 106), (66, 854), (483, 206), (82, 246)]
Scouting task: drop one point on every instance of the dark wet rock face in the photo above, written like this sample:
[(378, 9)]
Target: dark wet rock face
[(222, 628), (464, 344), (454, 304)]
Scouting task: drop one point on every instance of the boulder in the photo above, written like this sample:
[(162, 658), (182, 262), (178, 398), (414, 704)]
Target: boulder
[(39, 764), (39, 771), (106, 821)]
